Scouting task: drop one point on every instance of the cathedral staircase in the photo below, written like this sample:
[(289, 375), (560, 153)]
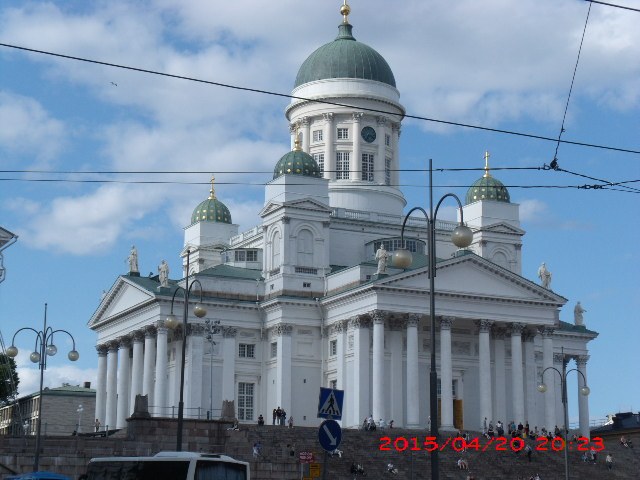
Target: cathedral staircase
[(364, 448)]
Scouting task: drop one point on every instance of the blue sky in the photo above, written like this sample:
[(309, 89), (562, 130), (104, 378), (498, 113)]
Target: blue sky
[(503, 65)]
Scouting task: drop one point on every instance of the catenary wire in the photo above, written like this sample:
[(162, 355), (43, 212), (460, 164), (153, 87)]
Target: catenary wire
[(338, 104)]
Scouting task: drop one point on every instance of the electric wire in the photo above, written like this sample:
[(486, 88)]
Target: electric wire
[(325, 102), (614, 5)]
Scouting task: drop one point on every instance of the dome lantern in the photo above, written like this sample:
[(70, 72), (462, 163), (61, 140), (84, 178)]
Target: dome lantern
[(487, 187), (211, 209)]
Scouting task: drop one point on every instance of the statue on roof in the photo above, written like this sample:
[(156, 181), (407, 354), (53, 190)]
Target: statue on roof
[(133, 260), (163, 274), (382, 256), (578, 318), (545, 276)]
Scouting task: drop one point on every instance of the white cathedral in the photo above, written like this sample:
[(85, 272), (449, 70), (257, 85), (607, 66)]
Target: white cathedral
[(300, 302)]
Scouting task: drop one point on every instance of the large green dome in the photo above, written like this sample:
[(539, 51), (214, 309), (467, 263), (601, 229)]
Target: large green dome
[(211, 210), (487, 188), (345, 57), (297, 162)]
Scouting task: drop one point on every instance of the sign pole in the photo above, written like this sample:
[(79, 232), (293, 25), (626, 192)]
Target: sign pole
[(324, 466)]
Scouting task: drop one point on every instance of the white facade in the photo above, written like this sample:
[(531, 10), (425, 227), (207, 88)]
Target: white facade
[(302, 306)]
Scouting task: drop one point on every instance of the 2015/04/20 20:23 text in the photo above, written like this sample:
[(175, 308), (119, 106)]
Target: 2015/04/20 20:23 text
[(499, 444)]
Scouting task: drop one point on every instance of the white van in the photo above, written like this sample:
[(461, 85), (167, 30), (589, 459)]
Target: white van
[(169, 466)]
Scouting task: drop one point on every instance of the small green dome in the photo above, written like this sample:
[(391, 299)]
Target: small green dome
[(487, 188), (211, 210), (345, 57), (297, 162)]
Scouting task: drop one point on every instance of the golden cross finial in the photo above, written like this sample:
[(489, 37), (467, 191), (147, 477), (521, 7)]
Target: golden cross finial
[(212, 192), (486, 164), (296, 141), (345, 10)]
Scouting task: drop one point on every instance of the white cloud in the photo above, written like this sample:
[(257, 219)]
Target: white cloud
[(533, 210), (27, 128)]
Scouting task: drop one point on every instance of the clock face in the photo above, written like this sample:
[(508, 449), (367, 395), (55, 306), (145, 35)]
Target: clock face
[(368, 134)]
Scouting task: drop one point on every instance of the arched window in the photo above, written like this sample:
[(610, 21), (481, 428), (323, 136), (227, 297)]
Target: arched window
[(499, 258), (305, 249), (275, 251)]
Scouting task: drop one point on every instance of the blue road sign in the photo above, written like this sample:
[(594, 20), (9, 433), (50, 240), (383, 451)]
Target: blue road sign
[(330, 403), (330, 435)]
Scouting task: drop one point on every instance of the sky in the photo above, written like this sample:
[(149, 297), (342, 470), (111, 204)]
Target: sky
[(501, 65)]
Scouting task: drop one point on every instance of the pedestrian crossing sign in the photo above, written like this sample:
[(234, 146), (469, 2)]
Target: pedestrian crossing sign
[(330, 403)]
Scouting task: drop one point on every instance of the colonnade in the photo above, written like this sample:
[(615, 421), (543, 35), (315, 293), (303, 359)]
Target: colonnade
[(138, 364), (367, 333)]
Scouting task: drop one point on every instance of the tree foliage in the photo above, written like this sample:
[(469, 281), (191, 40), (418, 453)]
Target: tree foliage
[(8, 389)]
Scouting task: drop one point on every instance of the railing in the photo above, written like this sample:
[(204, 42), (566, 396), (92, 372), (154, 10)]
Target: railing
[(308, 270), (197, 413), (445, 225)]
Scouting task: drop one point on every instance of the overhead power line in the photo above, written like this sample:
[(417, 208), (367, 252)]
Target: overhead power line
[(326, 102), (614, 5)]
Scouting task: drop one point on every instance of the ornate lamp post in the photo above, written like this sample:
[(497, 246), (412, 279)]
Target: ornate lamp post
[(172, 322), (44, 348), (79, 410), (584, 390), (462, 236)]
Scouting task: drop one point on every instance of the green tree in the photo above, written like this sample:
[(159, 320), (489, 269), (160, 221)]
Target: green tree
[(8, 372)]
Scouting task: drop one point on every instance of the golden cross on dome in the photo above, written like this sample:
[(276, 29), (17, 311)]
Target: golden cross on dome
[(486, 164), (212, 192), (345, 10), (296, 141)]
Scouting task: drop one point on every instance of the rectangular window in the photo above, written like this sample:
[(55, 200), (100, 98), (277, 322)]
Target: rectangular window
[(343, 134), (319, 158), (245, 401), (367, 167), (274, 349), (333, 384), (333, 347), (240, 256), (387, 140), (387, 171), (342, 165), (247, 350), (317, 135), (252, 255)]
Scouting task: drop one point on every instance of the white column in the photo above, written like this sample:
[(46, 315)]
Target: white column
[(193, 375), (112, 389), (329, 149), (160, 390), (379, 376), (500, 410), (446, 374), (396, 377), (283, 393), (530, 381), (101, 385), (340, 327), (413, 400), (148, 376), (395, 161), (229, 349), (583, 400), (124, 364), (517, 383), (136, 369), (305, 134), (361, 369), (484, 347), (381, 154), (549, 378), (356, 160)]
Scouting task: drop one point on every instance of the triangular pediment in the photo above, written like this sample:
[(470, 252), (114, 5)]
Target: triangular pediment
[(300, 204), (473, 276), (124, 296), (503, 228)]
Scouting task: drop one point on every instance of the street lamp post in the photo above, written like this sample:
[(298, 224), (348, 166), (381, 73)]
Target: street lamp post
[(172, 322), (462, 236), (584, 390), (212, 328), (44, 348)]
